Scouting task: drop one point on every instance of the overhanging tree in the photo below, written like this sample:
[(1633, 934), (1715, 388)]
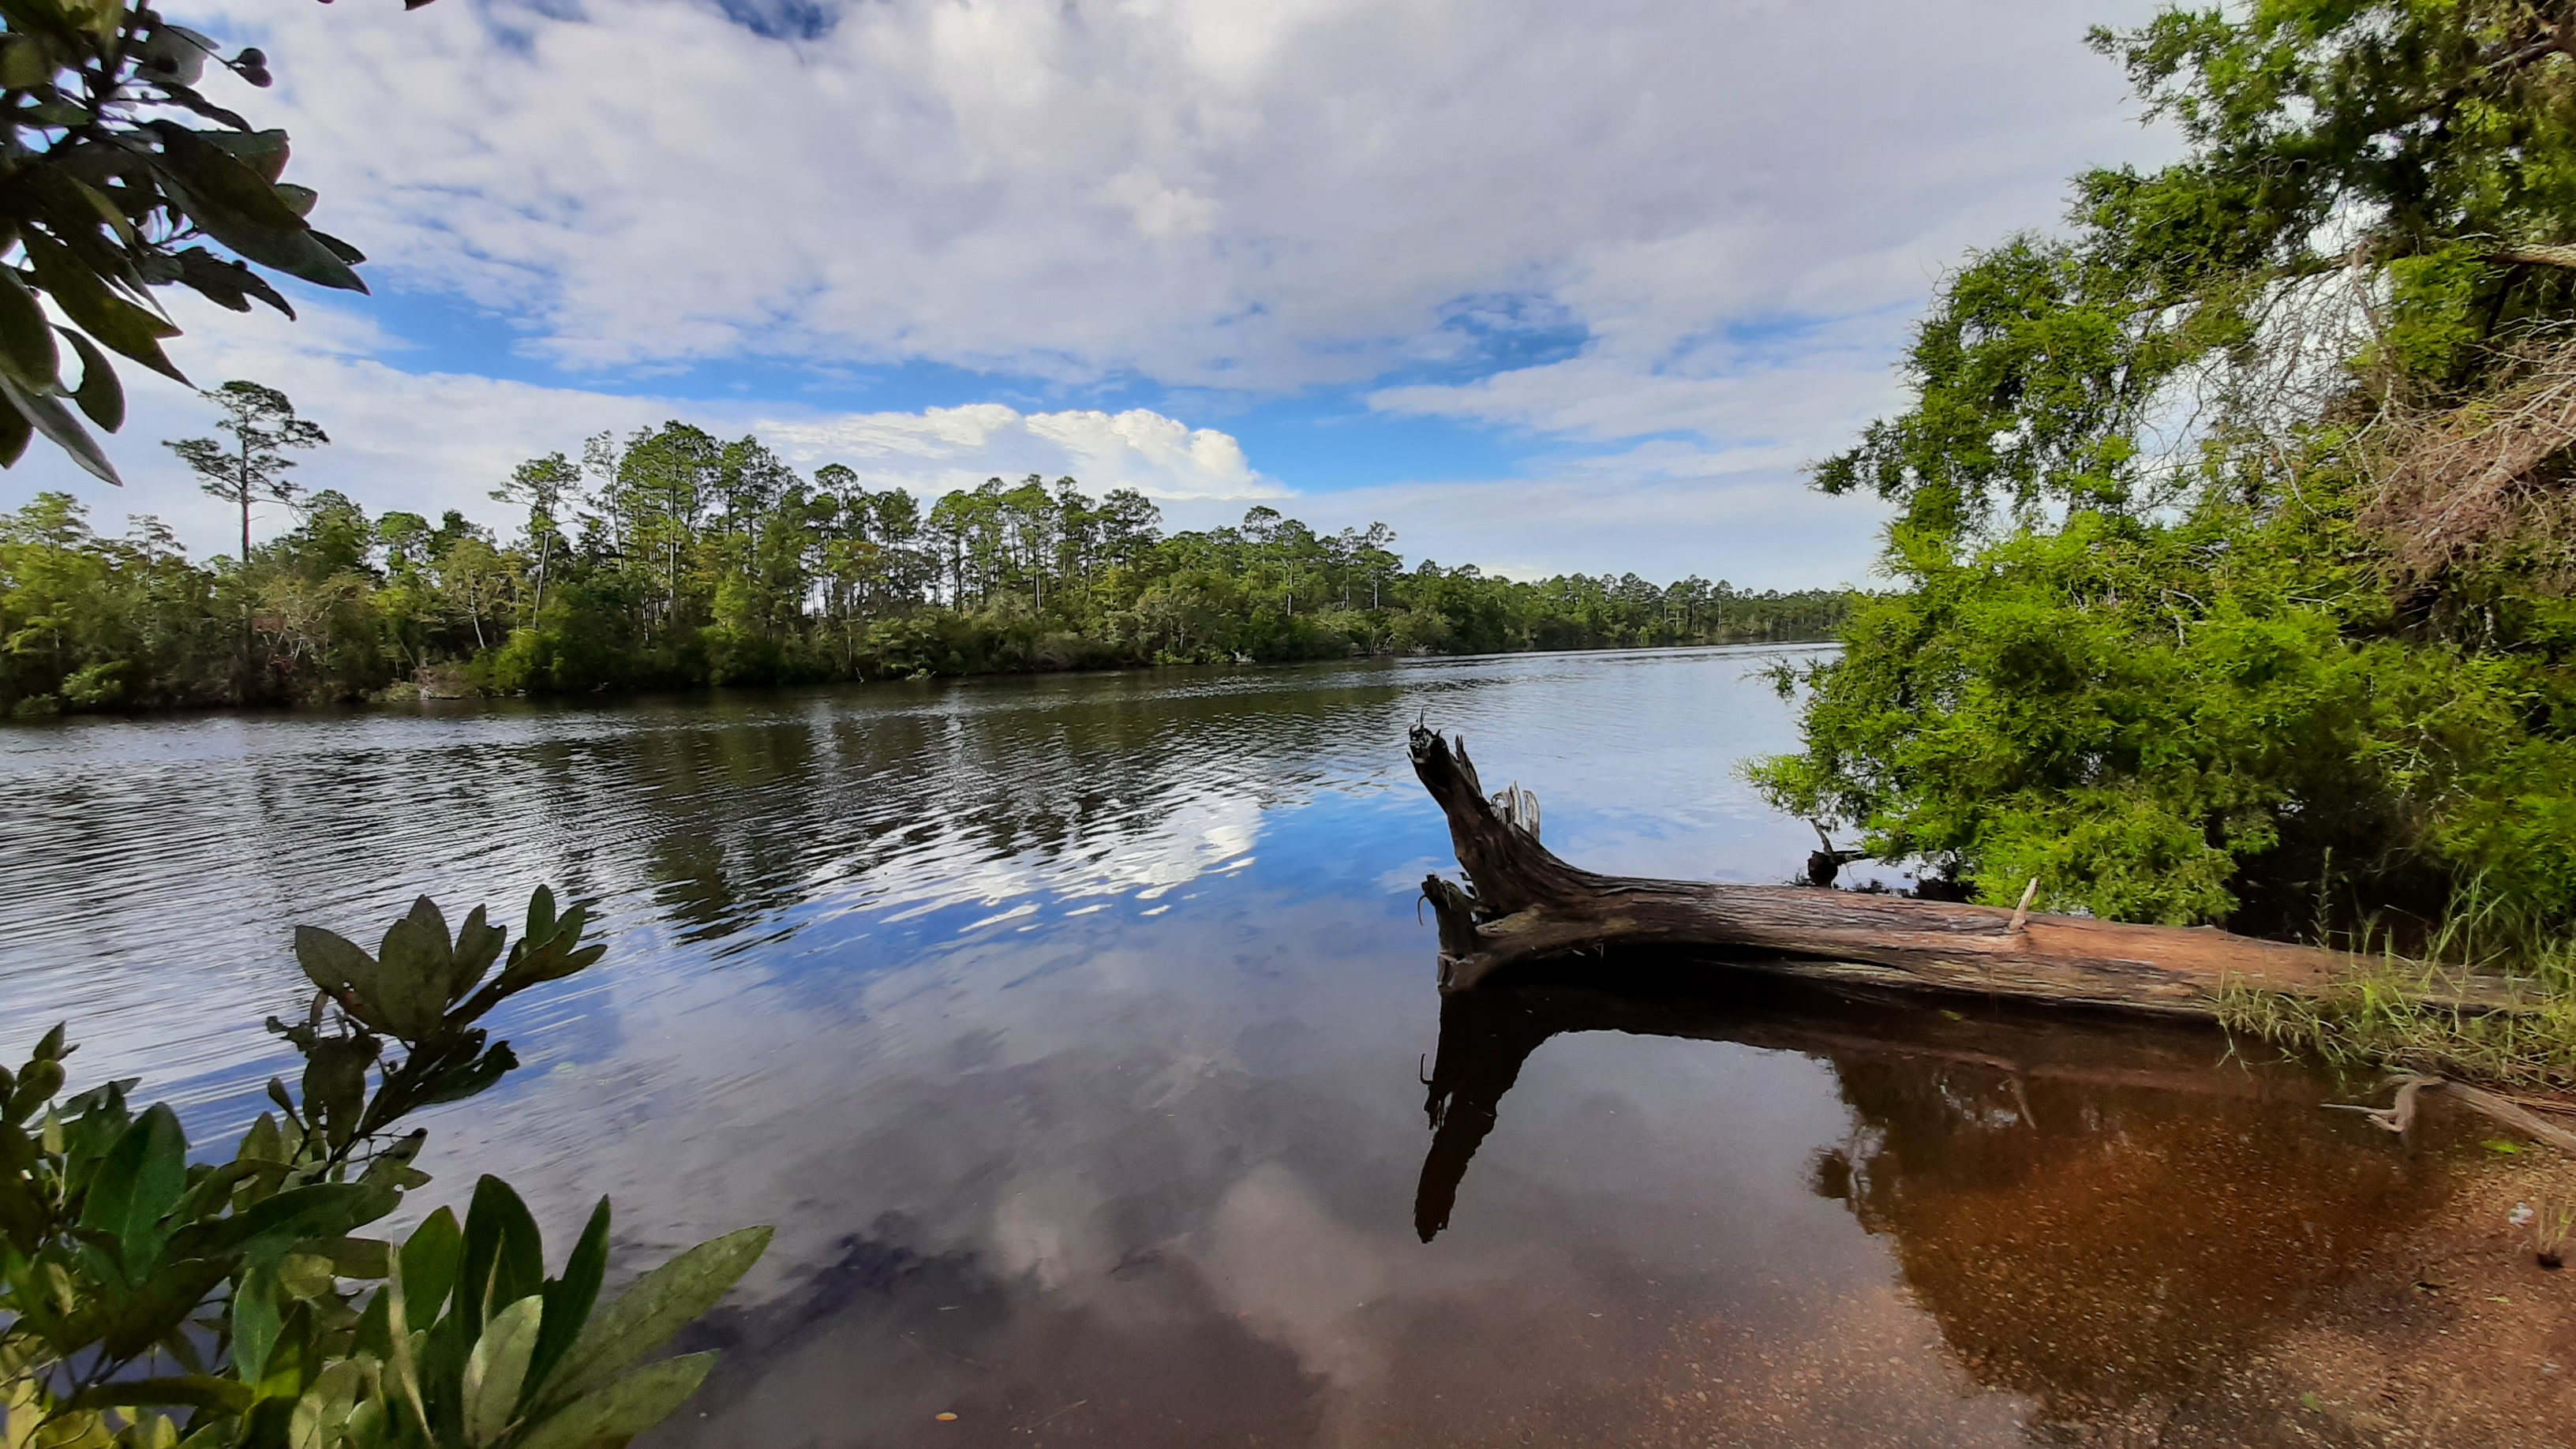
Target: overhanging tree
[(120, 176)]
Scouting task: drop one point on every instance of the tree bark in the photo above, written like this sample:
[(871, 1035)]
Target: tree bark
[(1527, 905)]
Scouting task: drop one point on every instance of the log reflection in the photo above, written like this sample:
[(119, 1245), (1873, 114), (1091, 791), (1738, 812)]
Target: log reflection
[(2091, 1209)]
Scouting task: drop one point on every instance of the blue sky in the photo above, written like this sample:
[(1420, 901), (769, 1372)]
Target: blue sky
[(1542, 286)]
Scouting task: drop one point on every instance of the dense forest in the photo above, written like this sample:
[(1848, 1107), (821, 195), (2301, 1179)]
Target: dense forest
[(2236, 531), (673, 559)]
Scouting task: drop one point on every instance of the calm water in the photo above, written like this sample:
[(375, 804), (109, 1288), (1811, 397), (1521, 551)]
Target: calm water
[(1080, 1036)]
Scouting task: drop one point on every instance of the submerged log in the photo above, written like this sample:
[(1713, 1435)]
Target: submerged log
[(1527, 905)]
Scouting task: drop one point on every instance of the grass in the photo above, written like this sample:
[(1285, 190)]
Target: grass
[(2387, 1014)]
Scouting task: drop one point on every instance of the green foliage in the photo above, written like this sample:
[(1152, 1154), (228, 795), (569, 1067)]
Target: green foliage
[(672, 559), (2170, 640), (151, 1301), (105, 195)]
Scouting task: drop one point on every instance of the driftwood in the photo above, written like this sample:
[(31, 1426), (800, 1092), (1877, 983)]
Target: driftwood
[(1527, 905), (2399, 1115)]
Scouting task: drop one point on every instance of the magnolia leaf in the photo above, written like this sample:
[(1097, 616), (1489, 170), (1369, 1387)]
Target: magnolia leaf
[(138, 1183), (504, 1253), (15, 433), (23, 63), (305, 1275), (653, 1308), (194, 1391), (333, 961), (156, 1309), (317, 1210), (100, 395), (48, 416), (570, 1298), (227, 283), (623, 1409), (27, 354), (478, 945), (352, 1257), (429, 1260), (497, 1367), (76, 288), (325, 1409), (239, 207)]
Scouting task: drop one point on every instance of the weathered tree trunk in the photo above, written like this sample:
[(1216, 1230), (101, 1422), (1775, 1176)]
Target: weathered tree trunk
[(1527, 905)]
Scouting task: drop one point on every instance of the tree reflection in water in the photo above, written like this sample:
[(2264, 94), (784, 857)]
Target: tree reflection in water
[(2092, 1210)]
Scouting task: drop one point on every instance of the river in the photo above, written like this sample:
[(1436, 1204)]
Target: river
[(1080, 1036)]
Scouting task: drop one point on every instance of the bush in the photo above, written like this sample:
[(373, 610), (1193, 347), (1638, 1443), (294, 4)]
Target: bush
[(155, 1302)]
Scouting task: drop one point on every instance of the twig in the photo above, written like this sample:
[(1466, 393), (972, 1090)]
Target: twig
[(2021, 913), (1042, 1423), (2399, 1115)]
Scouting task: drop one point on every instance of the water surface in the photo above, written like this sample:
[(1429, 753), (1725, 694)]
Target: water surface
[(1079, 1034)]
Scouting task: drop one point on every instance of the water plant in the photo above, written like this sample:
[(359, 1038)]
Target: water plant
[(151, 1301)]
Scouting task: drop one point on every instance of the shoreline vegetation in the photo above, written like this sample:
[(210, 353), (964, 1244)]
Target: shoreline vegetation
[(2234, 532), (672, 560)]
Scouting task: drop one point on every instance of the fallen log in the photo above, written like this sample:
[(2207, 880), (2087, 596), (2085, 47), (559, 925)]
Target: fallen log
[(1527, 905)]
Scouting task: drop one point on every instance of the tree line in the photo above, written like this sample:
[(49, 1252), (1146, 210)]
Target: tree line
[(671, 558)]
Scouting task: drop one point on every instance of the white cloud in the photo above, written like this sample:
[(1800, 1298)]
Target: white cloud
[(429, 441), (1731, 210), (1202, 192), (1663, 510)]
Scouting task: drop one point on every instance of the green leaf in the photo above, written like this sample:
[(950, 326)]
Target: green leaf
[(262, 151), (100, 395), (478, 945), (194, 1391), (653, 1308), (333, 961), (317, 1210), (36, 1086), (417, 961), (623, 1409), (322, 1415), (459, 1083), (353, 1257), (504, 1254), (430, 1259), (152, 1312), (227, 283), (305, 1275), (498, 1366), (111, 319), (263, 1142), (239, 207), (15, 433), (335, 1083), (570, 1298), (48, 416), (137, 1184), (255, 1319), (27, 353), (23, 63)]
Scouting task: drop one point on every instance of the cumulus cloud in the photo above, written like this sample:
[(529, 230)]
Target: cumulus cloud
[(1200, 192), (1662, 509), (1670, 247), (430, 441)]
